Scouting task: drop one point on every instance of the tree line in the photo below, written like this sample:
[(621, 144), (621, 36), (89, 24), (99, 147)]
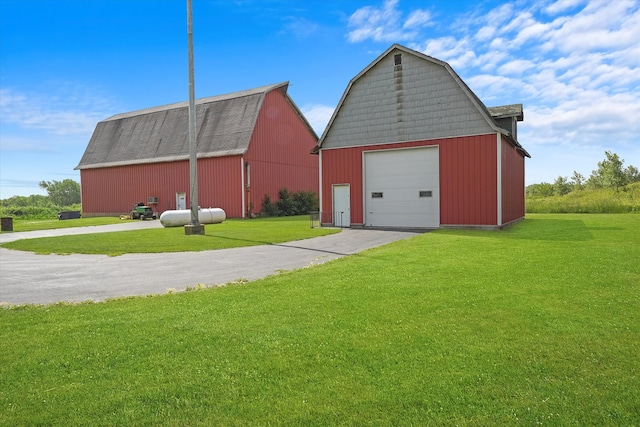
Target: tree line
[(610, 174), (61, 195)]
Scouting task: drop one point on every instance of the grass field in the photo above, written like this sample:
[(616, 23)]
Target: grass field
[(229, 234), (604, 200), (50, 224), (538, 324)]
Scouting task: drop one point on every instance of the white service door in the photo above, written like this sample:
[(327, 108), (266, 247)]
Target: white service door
[(181, 201), (342, 205), (402, 188)]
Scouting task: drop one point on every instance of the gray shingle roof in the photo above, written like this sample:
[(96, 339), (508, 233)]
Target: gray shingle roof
[(513, 110), (225, 124)]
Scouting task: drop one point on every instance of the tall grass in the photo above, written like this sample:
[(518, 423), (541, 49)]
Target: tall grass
[(626, 200)]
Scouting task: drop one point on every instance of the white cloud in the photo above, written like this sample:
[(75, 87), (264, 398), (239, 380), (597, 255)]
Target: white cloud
[(485, 33), (489, 61), (517, 66), (318, 116), (534, 30), (492, 86), (418, 18), (385, 24), (68, 111), (600, 25), (587, 120), (458, 53), (301, 28), (375, 23), (18, 143), (562, 5), (500, 15)]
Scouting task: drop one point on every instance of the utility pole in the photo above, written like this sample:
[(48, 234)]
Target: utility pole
[(194, 227)]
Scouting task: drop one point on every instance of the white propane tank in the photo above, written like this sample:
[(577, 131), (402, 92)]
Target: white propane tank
[(179, 218)]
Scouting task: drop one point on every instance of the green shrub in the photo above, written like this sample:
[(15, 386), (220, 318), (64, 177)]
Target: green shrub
[(268, 208), (285, 205), (290, 204), (33, 207), (30, 212), (305, 202)]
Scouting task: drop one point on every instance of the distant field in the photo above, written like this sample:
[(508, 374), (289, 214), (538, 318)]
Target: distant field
[(606, 200), (535, 325)]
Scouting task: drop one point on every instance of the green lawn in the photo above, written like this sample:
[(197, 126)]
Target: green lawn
[(229, 234), (50, 224), (538, 324)]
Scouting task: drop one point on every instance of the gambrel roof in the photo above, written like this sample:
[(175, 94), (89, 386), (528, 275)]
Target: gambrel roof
[(225, 125), (389, 104)]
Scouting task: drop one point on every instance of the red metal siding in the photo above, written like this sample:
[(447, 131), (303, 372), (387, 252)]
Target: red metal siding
[(279, 152), (220, 184), (468, 178), (342, 166), (512, 183), (113, 191)]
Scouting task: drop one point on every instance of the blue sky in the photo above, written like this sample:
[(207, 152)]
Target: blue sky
[(67, 64)]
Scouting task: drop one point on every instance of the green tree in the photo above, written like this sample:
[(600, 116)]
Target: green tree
[(544, 189), (609, 174), (577, 180), (561, 186), (62, 193), (632, 174)]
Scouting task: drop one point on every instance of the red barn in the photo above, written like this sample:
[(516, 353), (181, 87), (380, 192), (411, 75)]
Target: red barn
[(249, 144), (410, 145)]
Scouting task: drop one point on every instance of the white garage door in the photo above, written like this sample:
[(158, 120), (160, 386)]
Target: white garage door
[(402, 188)]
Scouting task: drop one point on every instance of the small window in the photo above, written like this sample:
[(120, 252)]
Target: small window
[(397, 59), (427, 193), (376, 195)]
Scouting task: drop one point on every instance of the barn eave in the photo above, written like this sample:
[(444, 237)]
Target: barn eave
[(165, 159)]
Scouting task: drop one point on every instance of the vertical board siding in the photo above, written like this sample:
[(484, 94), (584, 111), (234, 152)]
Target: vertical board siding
[(114, 191), (513, 186), (219, 185), (468, 178), (468, 181), (279, 152)]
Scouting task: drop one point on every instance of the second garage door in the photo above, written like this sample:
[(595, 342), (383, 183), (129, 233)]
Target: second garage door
[(402, 188)]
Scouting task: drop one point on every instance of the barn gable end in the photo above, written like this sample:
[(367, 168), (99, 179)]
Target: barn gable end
[(415, 100), (271, 162), (432, 143)]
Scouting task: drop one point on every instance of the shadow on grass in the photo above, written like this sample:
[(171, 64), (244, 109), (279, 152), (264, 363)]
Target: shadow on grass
[(560, 230), (573, 230), (281, 244)]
